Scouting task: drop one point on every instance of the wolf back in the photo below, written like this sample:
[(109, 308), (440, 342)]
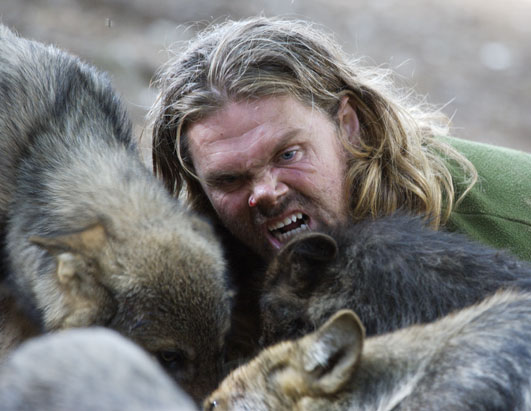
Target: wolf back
[(475, 359), (393, 272)]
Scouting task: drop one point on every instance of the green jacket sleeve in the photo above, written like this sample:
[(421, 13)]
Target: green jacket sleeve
[(497, 211)]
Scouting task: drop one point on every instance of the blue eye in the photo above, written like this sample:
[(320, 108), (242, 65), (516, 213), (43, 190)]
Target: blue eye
[(288, 155)]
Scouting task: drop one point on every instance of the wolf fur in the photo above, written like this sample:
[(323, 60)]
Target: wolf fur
[(392, 272), (477, 359), (92, 237), (86, 369), (15, 325)]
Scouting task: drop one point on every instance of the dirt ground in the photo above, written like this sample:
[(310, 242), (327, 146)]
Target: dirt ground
[(471, 55)]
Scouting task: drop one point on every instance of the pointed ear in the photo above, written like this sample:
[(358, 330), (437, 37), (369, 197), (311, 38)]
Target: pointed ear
[(68, 265), (311, 247), (298, 262), (86, 242), (86, 301), (73, 251), (332, 353)]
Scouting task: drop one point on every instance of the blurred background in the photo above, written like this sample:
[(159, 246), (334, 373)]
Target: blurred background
[(471, 56)]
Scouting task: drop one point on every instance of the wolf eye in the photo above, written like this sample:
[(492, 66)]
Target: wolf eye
[(212, 405), (171, 359)]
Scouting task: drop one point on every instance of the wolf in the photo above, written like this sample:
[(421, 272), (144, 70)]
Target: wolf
[(15, 325), (87, 369), (393, 271), (476, 359), (91, 236)]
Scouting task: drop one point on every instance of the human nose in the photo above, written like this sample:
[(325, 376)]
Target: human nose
[(267, 190)]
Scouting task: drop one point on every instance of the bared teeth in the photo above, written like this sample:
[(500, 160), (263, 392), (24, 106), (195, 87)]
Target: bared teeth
[(286, 236), (287, 221), (287, 233)]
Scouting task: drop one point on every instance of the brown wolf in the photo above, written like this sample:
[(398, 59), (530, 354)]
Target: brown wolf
[(86, 369), (92, 237), (393, 272), (476, 359)]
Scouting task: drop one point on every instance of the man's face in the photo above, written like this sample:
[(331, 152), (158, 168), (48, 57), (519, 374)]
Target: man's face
[(273, 168)]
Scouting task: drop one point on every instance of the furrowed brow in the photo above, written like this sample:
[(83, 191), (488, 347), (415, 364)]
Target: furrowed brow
[(286, 139), (218, 178)]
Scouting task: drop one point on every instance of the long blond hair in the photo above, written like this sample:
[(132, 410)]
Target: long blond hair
[(400, 161)]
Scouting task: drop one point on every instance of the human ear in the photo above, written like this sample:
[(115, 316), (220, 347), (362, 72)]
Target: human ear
[(348, 120)]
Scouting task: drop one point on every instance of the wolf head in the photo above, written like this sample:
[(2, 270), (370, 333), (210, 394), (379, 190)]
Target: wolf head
[(317, 365), (292, 298), (85, 369), (162, 284)]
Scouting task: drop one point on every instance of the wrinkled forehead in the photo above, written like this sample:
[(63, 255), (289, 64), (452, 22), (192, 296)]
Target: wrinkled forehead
[(237, 118)]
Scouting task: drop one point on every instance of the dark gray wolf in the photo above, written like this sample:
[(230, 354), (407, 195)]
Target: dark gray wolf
[(15, 325), (392, 272), (86, 369), (478, 359), (92, 237)]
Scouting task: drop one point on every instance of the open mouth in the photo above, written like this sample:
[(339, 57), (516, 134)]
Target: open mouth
[(289, 227)]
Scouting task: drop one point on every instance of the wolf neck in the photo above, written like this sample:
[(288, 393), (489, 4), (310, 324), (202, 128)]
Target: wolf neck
[(386, 375)]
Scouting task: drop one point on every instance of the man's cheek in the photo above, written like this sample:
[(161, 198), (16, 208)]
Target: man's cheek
[(228, 207), (300, 179)]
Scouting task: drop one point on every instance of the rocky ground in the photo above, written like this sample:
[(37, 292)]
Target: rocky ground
[(472, 56)]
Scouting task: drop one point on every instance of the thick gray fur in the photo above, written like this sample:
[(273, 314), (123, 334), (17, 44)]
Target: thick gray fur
[(86, 369), (477, 359), (91, 236), (393, 272)]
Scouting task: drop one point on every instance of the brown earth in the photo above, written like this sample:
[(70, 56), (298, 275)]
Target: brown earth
[(472, 55)]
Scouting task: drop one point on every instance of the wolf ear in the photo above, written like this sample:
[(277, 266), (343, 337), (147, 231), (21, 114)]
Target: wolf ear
[(331, 354), (72, 250), (298, 262), (312, 247), (87, 241), (86, 300)]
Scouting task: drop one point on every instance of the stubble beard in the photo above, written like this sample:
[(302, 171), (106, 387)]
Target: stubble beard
[(252, 235)]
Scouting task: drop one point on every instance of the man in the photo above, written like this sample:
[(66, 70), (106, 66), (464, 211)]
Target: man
[(271, 130), (268, 128)]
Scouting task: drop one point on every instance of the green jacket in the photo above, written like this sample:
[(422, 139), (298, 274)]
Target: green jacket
[(497, 211)]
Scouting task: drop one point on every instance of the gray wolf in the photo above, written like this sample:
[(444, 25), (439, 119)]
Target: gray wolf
[(393, 272), (86, 369), (91, 236), (477, 359), (15, 325)]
